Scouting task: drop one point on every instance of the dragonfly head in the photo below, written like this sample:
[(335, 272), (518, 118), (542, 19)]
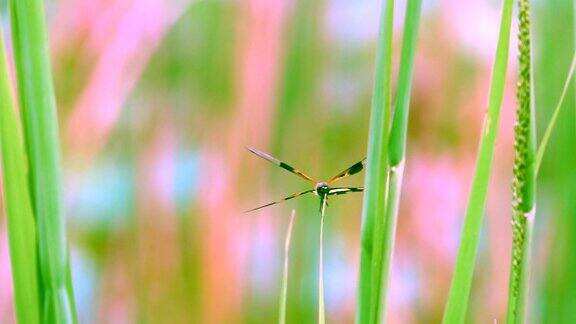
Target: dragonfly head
[(322, 188)]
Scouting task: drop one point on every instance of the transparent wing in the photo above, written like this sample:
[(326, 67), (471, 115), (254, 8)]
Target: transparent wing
[(281, 164), (355, 168), (282, 200), (342, 191)]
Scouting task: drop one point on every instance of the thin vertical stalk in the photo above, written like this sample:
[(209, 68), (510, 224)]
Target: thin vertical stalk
[(38, 107), (455, 311), (321, 308), (21, 224), (372, 272), (284, 289), (524, 181)]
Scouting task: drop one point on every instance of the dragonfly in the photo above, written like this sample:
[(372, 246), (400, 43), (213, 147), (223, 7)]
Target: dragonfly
[(322, 189)]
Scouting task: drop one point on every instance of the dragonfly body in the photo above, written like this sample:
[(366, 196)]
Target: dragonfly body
[(322, 189)]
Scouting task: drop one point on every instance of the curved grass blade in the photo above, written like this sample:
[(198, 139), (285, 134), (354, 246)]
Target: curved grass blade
[(284, 289), (524, 181), (21, 224), (370, 289), (38, 108), (459, 294), (555, 114)]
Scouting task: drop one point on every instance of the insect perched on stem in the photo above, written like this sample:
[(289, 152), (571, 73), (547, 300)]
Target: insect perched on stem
[(321, 188)]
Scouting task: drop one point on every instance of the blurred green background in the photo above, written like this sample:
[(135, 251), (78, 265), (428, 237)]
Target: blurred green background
[(158, 99)]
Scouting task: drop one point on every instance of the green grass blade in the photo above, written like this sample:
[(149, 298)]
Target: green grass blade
[(524, 181), (459, 294), (397, 144), (400, 119), (21, 224), (372, 235), (38, 108), (386, 230), (555, 114), (284, 289), (321, 308)]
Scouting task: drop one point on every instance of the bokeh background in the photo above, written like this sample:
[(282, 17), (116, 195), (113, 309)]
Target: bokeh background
[(158, 99)]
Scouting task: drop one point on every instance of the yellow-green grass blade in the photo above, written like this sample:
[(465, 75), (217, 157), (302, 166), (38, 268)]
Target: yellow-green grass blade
[(21, 224), (284, 288), (455, 311), (372, 251), (38, 109)]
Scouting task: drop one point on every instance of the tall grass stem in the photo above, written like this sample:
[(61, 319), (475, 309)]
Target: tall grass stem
[(399, 127), (457, 304), (373, 212), (38, 109), (397, 148), (20, 218)]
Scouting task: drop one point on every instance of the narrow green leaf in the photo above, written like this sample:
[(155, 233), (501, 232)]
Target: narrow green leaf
[(38, 108), (284, 289), (555, 114), (21, 224), (385, 228), (372, 251), (459, 294), (399, 126), (524, 181)]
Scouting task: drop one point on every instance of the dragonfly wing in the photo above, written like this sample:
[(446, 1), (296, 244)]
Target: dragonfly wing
[(355, 168), (282, 200), (281, 164), (343, 191)]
